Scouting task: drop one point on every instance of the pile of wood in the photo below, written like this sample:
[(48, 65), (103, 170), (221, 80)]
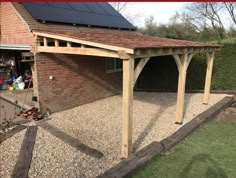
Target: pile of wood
[(32, 114)]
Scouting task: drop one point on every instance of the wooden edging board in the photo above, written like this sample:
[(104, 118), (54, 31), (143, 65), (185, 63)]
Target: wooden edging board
[(140, 158)]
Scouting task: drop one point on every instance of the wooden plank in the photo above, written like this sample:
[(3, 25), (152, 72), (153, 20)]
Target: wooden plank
[(22, 166), (12, 132), (127, 107), (77, 50), (134, 162), (210, 60), (138, 69), (88, 43), (75, 143), (127, 166)]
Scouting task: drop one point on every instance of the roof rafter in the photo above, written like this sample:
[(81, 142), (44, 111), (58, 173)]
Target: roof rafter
[(89, 43)]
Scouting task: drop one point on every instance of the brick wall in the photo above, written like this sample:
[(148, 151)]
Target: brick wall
[(77, 80), (13, 28)]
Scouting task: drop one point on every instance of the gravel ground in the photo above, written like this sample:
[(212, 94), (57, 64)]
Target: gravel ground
[(98, 125)]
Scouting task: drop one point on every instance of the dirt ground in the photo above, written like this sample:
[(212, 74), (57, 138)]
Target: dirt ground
[(228, 115)]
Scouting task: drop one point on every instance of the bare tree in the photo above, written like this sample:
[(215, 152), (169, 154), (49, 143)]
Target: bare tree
[(125, 9), (204, 14), (231, 8), (119, 6)]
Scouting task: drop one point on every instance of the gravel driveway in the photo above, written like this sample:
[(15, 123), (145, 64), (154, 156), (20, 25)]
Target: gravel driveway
[(98, 125)]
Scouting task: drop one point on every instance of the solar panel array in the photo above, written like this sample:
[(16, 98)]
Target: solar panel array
[(83, 13)]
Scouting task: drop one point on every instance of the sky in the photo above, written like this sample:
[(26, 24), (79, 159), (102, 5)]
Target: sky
[(162, 11)]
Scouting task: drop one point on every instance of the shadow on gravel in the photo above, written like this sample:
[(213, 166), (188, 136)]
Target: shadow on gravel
[(170, 101)]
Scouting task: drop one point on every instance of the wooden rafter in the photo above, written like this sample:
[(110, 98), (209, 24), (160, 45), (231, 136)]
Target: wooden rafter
[(83, 42)]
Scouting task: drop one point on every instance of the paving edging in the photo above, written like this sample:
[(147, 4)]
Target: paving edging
[(141, 157)]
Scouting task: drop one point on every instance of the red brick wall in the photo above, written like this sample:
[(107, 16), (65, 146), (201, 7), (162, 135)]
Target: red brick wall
[(13, 29), (77, 80)]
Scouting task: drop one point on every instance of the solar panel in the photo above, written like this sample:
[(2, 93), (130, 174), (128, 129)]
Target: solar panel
[(82, 13)]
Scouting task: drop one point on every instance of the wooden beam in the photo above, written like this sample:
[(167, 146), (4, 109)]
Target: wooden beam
[(23, 162), (77, 50), (138, 69), (151, 52), (88, 43), (182, 62), (210, 60), (127, 107), (123, 55)]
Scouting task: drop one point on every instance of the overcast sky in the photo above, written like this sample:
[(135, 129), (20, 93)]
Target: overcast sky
[(162, 11)]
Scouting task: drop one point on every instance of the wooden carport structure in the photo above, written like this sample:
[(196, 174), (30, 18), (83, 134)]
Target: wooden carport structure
[(129, 48)]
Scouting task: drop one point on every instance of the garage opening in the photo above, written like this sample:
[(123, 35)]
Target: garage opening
[(16, 73)]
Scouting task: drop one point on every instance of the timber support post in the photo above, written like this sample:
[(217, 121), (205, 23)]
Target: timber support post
[(182, 62), (210, 60), (127, 106)]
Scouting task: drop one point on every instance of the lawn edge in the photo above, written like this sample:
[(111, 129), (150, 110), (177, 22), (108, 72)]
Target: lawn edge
[(140, 158)]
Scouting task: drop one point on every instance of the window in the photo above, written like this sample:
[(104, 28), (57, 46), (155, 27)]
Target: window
[(113, 65)]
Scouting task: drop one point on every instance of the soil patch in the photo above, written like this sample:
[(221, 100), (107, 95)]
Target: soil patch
[(228, 115)]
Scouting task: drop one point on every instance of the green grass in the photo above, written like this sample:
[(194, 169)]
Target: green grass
[(210, 152)]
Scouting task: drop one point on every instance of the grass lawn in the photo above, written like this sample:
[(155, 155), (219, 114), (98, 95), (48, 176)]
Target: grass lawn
[(210, 152)]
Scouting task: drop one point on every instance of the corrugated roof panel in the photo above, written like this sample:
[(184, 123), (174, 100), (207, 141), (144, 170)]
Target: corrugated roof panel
[(84, 13)]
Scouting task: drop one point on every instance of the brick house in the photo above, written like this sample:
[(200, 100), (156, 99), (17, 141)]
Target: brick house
[(76, 80), (81, 61)]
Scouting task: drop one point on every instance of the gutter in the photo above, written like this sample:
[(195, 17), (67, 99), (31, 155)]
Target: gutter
[(22, 47)]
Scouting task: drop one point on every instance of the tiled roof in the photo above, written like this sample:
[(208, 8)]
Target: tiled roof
[(131, 41)]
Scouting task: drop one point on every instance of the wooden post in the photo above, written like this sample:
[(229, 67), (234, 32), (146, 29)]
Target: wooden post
[(182, 62), (210, 60), (56, 43), (127, 106), (45, 42), (68, 44)]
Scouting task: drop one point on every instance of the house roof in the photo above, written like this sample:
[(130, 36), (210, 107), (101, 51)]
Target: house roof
[(131, 41), (99, 14)]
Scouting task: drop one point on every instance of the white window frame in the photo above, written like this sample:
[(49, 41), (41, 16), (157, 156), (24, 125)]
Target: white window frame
[(115, 68)]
